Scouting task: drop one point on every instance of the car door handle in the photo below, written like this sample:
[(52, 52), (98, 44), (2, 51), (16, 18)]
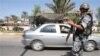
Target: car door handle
[(41, 35)]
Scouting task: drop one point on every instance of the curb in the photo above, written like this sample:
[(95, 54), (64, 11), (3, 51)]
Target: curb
[(20, 34), (10, 34), (96, 34)]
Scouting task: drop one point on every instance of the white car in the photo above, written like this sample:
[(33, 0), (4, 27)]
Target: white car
[(54, 35)]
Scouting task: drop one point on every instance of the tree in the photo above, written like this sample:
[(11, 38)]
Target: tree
[(15, 19), (33, 18), (98, 17), (98, 14), (74, 18), (24, 15), (1, 21), (61, 6), (7, 19), (37, 9), (40, 20)]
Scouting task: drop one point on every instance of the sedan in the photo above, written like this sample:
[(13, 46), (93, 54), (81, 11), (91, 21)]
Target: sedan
[(54, 35)]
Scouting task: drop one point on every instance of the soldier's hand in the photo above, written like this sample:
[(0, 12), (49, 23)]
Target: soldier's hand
[(70, 22)]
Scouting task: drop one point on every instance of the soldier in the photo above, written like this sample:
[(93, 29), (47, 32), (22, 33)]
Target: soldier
[(81, 26)]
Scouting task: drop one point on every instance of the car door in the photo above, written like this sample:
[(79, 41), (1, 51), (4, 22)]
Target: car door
[(50, 35), (64, 29)]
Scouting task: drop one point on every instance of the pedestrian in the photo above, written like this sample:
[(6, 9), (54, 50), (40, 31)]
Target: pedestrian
[(81, 33)]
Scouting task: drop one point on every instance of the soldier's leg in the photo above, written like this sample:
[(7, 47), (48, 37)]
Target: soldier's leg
[(81, 53), (76, 46), (83, 40)]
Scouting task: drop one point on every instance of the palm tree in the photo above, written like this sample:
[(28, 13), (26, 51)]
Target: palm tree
[(61, 6), (24, 15), (36, 10), (15, 19), (7, 19)]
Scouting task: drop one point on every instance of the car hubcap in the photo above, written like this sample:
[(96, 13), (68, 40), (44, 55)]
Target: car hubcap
[(37, 46), (90, 47)]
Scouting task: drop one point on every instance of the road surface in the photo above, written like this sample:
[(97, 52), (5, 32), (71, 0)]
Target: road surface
[(12, 46)]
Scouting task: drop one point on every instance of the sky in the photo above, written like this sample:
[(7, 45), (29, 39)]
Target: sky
[(16, 7)]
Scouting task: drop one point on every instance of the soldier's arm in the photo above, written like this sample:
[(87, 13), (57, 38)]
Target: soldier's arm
[(75, 25)]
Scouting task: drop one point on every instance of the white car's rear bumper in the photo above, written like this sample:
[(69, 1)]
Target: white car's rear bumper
[(26, 42)]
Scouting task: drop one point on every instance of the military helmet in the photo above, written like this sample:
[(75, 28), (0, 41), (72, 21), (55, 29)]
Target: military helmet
[(85, 6)]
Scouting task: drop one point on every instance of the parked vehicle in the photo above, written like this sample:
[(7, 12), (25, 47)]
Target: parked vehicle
[(54, 35)]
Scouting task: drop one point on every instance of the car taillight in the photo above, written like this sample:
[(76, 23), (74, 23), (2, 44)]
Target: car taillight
[(23, 35)]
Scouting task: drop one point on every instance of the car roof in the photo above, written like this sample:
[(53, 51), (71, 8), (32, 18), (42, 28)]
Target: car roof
[(55, 24)]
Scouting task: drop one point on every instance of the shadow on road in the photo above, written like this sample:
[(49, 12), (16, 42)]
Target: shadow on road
[(47, 48), (68, 49), (57, 48), (68, 54), (25, 50)]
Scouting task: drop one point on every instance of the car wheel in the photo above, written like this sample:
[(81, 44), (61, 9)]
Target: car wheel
[(89, 46), (37, 45)]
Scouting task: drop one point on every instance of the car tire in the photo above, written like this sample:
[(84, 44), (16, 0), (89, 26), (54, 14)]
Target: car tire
[(90, 46), (37, 45)]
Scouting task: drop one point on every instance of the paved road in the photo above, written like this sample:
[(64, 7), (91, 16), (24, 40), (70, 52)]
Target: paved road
[(11, 46)]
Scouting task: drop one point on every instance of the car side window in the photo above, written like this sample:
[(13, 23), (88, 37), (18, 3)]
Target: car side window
[(64, 29), (49, 29)]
